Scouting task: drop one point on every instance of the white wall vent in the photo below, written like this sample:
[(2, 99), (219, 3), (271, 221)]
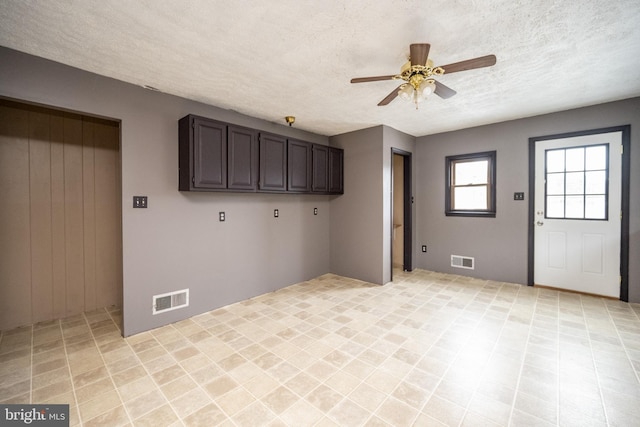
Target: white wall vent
[(462, 262), (170, 301)]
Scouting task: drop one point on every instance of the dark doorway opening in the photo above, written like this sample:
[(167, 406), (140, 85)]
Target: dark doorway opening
[(401, 211)]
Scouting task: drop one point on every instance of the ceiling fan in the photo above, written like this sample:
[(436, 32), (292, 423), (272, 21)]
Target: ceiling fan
[(417, 75)]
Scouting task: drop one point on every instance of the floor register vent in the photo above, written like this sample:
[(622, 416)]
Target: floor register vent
[(170, 301), (462, 262)]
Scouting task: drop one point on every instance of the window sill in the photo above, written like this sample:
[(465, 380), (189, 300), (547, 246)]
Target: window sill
[(479, 214)]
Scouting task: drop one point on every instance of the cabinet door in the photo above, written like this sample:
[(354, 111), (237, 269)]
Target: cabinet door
[(273, 163), (320, 168), (336, 170), (209, 154), (299, 166), (242, 152)]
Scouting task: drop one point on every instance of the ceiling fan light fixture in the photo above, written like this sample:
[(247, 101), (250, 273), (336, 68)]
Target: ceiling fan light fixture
[(406, 92), (427, 87)]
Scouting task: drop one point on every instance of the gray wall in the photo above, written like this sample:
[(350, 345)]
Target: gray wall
[(361, 219), (499, 244), (356, 217), (178, 242)]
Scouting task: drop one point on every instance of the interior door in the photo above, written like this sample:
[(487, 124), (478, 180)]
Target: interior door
[(577, 206)]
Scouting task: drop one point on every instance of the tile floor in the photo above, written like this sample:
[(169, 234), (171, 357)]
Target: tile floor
[(427, 349)]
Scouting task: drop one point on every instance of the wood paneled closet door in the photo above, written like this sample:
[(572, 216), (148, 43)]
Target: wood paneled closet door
[(60, 214)]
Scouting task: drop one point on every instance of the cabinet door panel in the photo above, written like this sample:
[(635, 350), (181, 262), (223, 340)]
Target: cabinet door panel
[(210, 154), (242, 159), (336, 165), (273, 163), (320, 169), (299, 166)]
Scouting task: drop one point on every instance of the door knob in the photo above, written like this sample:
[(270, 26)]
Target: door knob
[(539, 223)]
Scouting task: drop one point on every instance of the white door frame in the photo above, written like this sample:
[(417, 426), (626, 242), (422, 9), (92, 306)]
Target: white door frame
[(624, 226)]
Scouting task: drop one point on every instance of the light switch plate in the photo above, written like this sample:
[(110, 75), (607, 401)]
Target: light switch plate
[(518, 196), (140, 202), (276, 213), (221, 216)]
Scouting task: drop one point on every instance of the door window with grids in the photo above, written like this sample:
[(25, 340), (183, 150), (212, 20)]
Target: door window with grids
[(576, 182), (471, 185)]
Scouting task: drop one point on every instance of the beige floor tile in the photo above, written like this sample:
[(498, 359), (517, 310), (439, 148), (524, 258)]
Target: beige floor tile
[(279, 399), (88, 377), (301, 413), (113, 417), (134, 389), (396, 412), (145, 403), (429, 349), (324, 398), (254, 415), (348, 413), (51, 390), (235, 401), (190, 402), (178, 387), (99, 405), (261, 385), (90, 391), (220, 385)]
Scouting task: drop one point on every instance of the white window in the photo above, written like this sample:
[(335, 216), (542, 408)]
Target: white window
[(471, 185)]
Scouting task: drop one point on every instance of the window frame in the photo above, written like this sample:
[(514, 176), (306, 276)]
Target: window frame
[(584, 193), (450, 162)]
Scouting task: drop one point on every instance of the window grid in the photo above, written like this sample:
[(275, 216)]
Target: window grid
[(455, 185), (584, 193), (486, 198)]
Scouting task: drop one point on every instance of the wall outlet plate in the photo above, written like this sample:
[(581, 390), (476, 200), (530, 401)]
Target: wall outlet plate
[(221, 216), (315, 211), (140, 202), (276, 213), (518, 196), (424, 248)]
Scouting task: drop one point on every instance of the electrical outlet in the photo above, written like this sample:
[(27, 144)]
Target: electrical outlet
[(221, 216), (518, 196), (140, 202), (315, 211), (424, 248), (276, 213)]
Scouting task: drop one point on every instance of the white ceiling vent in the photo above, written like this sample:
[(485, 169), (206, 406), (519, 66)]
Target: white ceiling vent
[(462, 262), (170, 301)]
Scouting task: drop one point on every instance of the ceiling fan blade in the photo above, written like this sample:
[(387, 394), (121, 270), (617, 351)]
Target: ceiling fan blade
[(419, 53), (372, 79), (470, 64), (443, 91), (390, 97)]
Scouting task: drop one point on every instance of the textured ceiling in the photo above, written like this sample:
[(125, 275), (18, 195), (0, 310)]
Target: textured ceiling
[(269, 59)]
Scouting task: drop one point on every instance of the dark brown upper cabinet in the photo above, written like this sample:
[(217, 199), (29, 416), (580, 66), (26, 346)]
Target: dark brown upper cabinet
[(320, 168), (336, 170), (273, 163), (299, 166), (242, 159), (202, 154), (217, 156)]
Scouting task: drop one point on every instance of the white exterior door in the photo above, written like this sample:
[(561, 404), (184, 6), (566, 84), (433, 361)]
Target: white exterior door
[(577, 213)]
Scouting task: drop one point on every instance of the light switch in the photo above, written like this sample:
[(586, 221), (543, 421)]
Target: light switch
[(315, 211), (276, 214), (518, 196), (221, 216), (140, 202)]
